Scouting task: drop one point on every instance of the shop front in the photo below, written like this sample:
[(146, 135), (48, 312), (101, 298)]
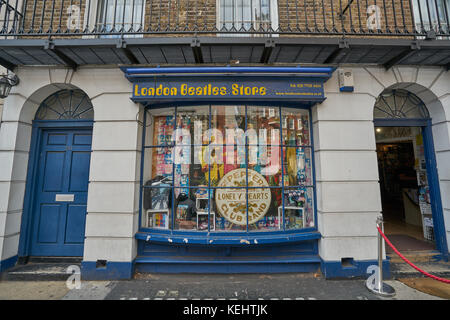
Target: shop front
[(227, 169), (223, 169)]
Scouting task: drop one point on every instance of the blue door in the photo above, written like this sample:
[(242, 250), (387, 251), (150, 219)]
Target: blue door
[(60, 194)]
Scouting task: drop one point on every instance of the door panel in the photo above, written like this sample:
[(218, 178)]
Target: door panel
[(48, 223), (79, 173), (53, 171), (76, 218), (60, 200), (57, 139), (82, 139)]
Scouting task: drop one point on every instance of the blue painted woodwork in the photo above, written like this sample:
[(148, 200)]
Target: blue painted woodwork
[(111, 271), (435, 192), (276, 265), (32, 176), (250, 239), (301, 256), (358, 268), (8, 263), (228, 71), (62, 167)]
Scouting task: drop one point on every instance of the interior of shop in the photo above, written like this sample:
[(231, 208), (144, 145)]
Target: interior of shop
[(404, 188)]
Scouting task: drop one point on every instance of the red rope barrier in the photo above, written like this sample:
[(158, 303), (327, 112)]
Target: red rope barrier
[(409, 262)]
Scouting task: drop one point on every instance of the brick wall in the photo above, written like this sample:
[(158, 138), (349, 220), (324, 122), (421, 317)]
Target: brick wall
[(186, 14), (325, 15), (200, 15), (52, 15)]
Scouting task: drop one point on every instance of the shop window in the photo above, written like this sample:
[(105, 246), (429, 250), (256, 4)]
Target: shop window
[(228, 168)]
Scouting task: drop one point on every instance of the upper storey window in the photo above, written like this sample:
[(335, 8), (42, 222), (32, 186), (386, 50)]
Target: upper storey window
[(120, 15), (247, 15), (432, 15)]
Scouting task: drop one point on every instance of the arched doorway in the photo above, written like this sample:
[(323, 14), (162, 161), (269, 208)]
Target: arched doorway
[(58, 176), (410, 193)]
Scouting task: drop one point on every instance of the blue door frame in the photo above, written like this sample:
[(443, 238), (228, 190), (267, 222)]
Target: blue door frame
[(432, 175), (39, 126)]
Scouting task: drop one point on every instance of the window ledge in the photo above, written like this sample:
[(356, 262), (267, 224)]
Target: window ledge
[(234, 240)]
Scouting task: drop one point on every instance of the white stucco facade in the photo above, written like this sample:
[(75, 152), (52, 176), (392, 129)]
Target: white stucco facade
[(346, 160), (348, 192)]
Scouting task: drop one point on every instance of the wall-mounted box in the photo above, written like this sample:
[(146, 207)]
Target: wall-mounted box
[(346, 83)]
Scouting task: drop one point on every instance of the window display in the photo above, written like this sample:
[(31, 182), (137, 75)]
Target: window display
[(158, 219), (229, 167)]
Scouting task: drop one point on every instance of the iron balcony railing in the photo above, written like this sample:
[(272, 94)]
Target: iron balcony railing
[(135, 18)]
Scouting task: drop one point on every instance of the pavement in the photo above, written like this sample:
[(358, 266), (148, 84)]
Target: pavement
[(293, 286), (44, 280)]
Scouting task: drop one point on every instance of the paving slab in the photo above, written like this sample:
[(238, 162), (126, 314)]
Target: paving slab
[(32, 290), (90, 290), (39, 272), (250, 287), (429, 286)]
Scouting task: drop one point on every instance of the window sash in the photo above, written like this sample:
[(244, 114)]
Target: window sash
[(120, 15), (245, 14), (427, 17)]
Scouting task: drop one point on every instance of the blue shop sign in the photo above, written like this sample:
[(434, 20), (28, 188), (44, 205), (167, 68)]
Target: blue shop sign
[(216, 89), (159, 85)]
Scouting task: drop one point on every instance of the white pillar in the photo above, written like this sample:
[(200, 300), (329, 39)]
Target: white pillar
[(348, 192), (113, 208), (15, 135)]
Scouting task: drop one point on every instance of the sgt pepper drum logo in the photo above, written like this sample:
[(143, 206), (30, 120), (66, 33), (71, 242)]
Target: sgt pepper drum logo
[(232, 201)]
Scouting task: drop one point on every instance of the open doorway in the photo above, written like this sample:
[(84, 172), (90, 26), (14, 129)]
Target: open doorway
[(404, 188), (411, 198)]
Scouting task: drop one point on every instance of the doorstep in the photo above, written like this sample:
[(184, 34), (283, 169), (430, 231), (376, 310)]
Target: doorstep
[(427, 260), (41, 269)]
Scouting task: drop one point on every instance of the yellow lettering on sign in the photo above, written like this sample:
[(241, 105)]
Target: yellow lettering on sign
[(183, 89), (206, 90), (242, 90)]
